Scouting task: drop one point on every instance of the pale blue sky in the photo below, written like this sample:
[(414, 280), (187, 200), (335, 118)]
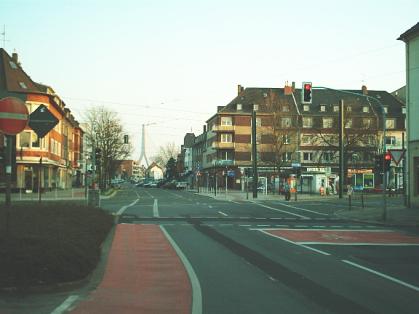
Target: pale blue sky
[(173, 62)]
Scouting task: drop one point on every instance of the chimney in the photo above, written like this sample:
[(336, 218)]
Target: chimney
[(15, 57), (364, 90), (293, 86), (204, 129), (287, 89), (239, 89)]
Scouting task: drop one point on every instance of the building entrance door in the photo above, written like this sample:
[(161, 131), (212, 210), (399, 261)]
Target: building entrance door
[(28, 180)]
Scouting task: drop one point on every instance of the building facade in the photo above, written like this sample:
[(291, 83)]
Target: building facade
[(296, 140), (411, 39), (53, 161)]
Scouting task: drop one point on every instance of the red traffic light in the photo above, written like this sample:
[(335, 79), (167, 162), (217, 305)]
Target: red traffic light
[(387, 156), (307, 86)]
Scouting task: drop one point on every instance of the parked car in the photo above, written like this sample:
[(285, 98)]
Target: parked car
[(181, 185)]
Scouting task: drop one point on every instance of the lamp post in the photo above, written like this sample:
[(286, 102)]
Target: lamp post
[(384, 214)]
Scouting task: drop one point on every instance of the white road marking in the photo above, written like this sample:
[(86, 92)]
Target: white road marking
[(148, 193), (280, 210), (138, 195), (209, 206), (295, 243), (235, 202), (382, 275), (123, 208), (358, 243), (303, 209), (245, 225), (224, 214), (155, 208), (63, 307), (196, 287)]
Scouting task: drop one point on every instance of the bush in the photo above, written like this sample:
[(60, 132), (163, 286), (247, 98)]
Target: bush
[(50, 243)]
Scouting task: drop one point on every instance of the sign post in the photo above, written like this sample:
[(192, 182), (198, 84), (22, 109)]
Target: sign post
[(13, 120)]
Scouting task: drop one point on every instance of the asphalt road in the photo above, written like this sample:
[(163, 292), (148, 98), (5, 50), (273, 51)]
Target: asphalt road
[(272, 256)]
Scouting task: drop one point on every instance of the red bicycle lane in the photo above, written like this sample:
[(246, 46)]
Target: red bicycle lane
[(143, 275)]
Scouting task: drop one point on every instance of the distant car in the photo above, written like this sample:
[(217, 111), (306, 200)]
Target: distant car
[(181, 185)]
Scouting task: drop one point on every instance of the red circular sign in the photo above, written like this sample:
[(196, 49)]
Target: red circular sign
[(13, 115)]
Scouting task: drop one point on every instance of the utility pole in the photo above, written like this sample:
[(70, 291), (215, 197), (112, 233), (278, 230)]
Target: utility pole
[(404, 172), (254, 156), (341, 128)]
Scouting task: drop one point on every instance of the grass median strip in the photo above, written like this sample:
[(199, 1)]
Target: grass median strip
[(50, 243)]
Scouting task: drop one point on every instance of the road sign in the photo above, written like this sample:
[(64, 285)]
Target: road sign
[(231, 173), (397, 155), (13, 115), (295, 165), (42, 121)]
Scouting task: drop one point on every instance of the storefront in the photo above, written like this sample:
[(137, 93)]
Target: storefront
[(361, 179)]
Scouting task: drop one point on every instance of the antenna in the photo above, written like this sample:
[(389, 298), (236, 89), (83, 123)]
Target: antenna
[(3, 34)]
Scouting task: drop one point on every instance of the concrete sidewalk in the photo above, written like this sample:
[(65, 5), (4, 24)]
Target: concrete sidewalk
[(372, 211), (56, 195)]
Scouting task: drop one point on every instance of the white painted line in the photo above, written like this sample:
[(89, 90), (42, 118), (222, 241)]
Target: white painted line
[(279, 210), (148, 193), (295, 243), (359, 243), (382, 275), (263, 225), (245, 225), (244, 217), (318, 226), (209, 206), (63, 307), (303, 209), (224, 225), (155, 208), (235, 202), (196, 287), (286, 226), (336, 226), (224, 214), (301, 226), (123, 208), (138, 195)]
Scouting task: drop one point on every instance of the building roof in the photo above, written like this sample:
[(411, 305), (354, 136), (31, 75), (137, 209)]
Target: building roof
[(410, 33), (320, 97), (13, 79)]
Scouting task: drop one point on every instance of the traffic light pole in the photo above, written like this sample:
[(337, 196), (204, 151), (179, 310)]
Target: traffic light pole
[(254, 156), (341, 149)]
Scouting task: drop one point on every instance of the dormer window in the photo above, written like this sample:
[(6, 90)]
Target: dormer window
[(23, 85), (306, 108), (322, 108), (239, 107), (255, 107), (386, 109), (13, 65), (335, 108), (403, 110), (365, 109)]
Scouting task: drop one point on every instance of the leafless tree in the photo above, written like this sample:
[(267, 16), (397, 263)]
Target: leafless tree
[(105, 132), (167, 151)]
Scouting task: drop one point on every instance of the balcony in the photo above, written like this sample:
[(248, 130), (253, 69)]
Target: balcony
[(222, 145), (223, 128)]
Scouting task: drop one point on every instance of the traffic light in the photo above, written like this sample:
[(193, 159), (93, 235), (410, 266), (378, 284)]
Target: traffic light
[(378, 164), (387, 161), (98, 155), (125, 139), (307, 93)]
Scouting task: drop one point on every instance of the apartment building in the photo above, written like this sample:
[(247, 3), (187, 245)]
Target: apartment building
[(298, 139), (53, 161)]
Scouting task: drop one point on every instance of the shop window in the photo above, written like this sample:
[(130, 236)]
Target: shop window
[(25, 138)]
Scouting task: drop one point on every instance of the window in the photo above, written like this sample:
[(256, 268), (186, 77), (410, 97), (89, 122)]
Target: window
[(403, 110), (306, 139), (287, 156), (348, 108), (307, 122), (285, 108), (327, 156), (335, 108), (348, 123), (306, 108), (365, 109), (226, 138), (308, 156), (255, 107), (322, 108), (25, 138), (286, 139), (366, 122), (226, 121), (327, 123), (390, 123), (239, 107), (258, 122), (35, 140), (285, 122), (13, 65), (390, 140), (23, 85), (385, 109)]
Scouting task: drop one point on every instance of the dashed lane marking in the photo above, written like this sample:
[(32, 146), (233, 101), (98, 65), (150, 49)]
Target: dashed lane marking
[(155, 208), (221, 213), (63, 307), (280, 210)]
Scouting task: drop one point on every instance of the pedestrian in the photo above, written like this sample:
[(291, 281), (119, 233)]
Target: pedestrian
[(287, 191)]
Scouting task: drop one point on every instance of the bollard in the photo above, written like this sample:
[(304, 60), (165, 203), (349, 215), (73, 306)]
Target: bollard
[(350, 202), (362, 198)]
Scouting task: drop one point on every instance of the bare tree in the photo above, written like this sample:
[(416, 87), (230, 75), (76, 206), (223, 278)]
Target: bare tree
[(105, 132), (169, 150)]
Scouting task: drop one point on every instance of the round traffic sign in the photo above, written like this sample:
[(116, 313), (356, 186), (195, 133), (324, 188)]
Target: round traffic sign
[(13, 115)]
